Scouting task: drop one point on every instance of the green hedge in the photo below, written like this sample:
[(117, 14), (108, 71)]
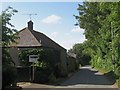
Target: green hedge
[(45, 66)]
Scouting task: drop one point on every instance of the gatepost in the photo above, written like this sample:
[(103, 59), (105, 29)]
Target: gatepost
[(32, 59)]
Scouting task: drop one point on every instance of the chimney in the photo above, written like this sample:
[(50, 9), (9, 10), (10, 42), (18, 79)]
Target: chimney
[(30, 25)]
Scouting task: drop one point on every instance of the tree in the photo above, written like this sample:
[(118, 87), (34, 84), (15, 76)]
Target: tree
[(81, 53), (8, 36), (8, 31), (101, 22)]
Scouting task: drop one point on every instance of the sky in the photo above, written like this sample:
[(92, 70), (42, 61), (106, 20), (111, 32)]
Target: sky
[(54, 19)]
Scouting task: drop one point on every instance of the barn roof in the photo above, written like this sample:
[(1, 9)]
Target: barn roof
[(31, 38)]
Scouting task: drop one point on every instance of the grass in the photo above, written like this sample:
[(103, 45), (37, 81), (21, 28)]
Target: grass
[(110, 76), (101, 70), (118, 83)]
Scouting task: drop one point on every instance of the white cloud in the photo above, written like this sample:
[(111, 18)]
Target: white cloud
[(77, 29), (54, 34), (68, 44), (52, 19), (67, 34)]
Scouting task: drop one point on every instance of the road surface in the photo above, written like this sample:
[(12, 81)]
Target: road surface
[(86, 77)]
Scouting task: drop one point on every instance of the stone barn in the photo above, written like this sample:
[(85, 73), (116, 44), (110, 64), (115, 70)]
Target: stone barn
[(29, 38)]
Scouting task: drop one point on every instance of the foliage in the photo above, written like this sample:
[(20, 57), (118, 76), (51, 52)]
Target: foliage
[(101, 21), (8, 75), (81, 53), (42, 74), (46, 57), (8, 36), (45, 65)]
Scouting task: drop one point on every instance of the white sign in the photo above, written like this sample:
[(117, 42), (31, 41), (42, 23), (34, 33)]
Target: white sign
[(33, 58)]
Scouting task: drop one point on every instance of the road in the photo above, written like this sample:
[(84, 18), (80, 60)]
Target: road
[(86, 77)]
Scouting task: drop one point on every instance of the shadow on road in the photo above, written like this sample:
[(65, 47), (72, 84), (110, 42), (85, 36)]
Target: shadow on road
[(87, 76), (85, 79)]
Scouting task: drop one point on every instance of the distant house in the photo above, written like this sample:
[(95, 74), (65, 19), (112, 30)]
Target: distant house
[(29, 38)]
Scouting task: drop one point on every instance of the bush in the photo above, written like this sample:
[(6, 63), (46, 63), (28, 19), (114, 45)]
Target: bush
[(45, 65), (45, 56), (9, 75), (52, 77), (118, 82), (85, 60), (117, 71), (42, 75)]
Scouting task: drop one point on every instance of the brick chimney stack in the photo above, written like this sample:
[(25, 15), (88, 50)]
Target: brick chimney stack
[(30, 25)]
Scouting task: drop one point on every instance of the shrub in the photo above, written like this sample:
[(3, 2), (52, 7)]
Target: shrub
[(45, 65), (52, 77), (9, 73), (42, 74)]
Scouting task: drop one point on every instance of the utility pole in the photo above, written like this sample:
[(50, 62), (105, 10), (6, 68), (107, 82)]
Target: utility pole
[(30, 15)]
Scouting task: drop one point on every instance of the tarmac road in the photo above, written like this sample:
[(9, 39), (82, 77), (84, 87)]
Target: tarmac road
[(85, 79)]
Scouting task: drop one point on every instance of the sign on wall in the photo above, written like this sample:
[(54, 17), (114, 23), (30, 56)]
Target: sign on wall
[(33, 58)]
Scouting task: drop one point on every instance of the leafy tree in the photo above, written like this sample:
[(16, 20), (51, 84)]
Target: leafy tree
[(101, 22), (8, 36), (81, 54)]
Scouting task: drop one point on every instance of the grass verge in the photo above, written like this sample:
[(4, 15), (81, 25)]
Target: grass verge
[(110, 75)]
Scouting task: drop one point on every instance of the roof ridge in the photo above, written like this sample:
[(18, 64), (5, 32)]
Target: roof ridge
[(47, 37)]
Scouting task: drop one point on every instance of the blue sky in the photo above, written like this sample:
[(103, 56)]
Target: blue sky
[(54, 19)]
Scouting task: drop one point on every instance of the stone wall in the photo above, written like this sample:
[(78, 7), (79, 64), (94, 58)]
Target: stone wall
[(63, 57), (72, 64)]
